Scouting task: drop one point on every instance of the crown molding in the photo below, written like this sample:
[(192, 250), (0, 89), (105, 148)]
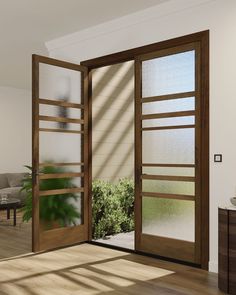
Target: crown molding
[(155, 12)]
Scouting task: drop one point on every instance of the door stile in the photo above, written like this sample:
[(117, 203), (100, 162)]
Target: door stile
[(35, 154), (138, 154)]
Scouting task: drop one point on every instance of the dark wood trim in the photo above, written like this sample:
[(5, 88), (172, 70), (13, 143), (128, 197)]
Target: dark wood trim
[(61, 175), (168, 165), (205, 150), (35, 154), (130, 54), (61, 119), (167, 51), (168, 97), (90, 154), (168, 115), (60, 103), (60, 164), (60, 130), (172, 248), (59, 63), (168, 177), (168, 196), (46, 240), (62, 237), (85, 153), (138, 153), (198, 151), (61, 191), (167, 127), (203, 39)]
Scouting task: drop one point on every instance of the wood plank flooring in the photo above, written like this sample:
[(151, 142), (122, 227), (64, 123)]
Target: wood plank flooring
[(89, 270), (14, 240)]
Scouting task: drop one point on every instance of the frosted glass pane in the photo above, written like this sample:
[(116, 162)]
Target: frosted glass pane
[(168, 187), (166, 106), (169, 74), (55, 111), (169, 171), (169, 146), (58, 211), (59, 84), (169, 121), (169, 218), (59, 147)]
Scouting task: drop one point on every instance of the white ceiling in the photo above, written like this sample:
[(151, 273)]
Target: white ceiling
[(25, 25)]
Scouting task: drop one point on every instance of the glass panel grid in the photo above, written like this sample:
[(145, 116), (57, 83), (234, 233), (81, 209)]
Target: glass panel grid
[(169, 74)]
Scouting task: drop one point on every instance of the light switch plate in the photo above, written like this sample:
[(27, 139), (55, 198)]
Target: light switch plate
[(218, 158)]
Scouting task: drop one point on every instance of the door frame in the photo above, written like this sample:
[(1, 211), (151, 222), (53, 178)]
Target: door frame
[(128, 55)]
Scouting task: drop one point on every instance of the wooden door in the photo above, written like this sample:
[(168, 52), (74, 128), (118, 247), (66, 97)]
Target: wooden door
[(168, 153), (60, 156)]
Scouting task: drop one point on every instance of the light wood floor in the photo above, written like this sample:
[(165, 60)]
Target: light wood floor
[(14, 240), (88, 270)]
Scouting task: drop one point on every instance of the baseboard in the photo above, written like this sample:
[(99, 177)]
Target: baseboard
[(213, 266)]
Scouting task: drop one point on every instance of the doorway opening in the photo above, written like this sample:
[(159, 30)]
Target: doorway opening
[(113, 148)]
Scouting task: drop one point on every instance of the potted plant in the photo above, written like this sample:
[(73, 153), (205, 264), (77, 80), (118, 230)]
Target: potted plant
[(55, 210)]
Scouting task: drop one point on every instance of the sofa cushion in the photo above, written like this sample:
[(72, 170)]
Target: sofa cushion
[(15, 179), (14, 193), (3, 181)]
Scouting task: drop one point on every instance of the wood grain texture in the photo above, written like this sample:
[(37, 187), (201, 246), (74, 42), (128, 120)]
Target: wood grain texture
[(168, 115), (61, 119), (168, 177), (60, 175), (61, 164), (201, 38), (168, 165), (90, 270), (60, 130), (60, 103), (168, 127), (169, 196), (168, 97), (66, 236), (166, 247), (223, 250), (61, 191), (14, 240)]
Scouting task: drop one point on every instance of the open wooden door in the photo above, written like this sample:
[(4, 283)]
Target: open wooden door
[(169, 116), (60, 153)]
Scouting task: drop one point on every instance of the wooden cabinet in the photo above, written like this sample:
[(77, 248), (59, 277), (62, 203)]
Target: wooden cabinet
[(227, 250)]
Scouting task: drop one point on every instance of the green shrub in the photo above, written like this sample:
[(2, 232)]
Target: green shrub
[(54, 208), (113, 207)]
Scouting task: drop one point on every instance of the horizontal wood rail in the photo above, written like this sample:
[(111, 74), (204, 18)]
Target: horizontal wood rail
[(60, 175), (60, 103), (61, 119), (168, 177), (168, 115), (61, 191), (168, 165), (59, 63), (60, 164), (168, 97), (60, 130), (169, 196), (168, 127)]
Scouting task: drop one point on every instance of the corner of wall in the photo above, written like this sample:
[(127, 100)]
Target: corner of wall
[(213, 266)]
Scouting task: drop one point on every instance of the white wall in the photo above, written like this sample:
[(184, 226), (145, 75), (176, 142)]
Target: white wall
[(15, 129), (172, 19), (113, 122)]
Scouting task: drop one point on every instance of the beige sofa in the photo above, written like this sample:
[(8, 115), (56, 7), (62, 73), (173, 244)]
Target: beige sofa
[(11, 184)]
